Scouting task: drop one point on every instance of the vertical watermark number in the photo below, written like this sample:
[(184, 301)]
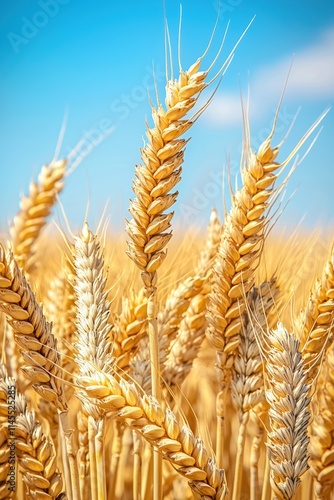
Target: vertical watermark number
[(11, 476)]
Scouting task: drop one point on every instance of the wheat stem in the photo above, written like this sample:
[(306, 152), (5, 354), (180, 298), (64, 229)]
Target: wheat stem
[(239, 457), (71, 454), (266, 490), (115, 456), (220, 412), (155, 383), (65, 464), (83, 455), (254, 463), (137, 464), (120, 490), (100, 459), (92, 457)]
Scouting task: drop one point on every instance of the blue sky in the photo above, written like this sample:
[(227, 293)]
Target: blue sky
[(95, 60)]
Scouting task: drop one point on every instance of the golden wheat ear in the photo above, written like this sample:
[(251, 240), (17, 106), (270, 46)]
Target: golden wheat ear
[(179, 350), (315, 322), (247, 386), (287, 393), (37, 344), (240, 250), (34, 211), (94, 350), (160, 172), (36, 207), (130, 326), (322, 429), (34, 449), (154, 188), (171, 436)]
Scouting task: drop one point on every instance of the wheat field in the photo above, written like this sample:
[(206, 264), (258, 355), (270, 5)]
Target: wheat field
[(206, 372)]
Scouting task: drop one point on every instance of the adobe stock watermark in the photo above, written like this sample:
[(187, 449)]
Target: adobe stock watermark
[(205, 197), (120, 108), (226, 7), (30, 27)]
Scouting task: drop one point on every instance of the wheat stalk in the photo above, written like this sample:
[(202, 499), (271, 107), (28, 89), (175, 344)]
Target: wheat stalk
[(34, 449), (189, 338), (83, 454), (116, 455), (129, 327), (159, 427), (60, 309), (161, 171), (162, 161), (233, 272), (33, 334), (169, 319), (93, 346), (315, 320), (322, 430), (254, 461), (247, 373), (239, 252), (287, 393), (209, 251), (39, 462), (185, 342), (181, 320), (34, 210)]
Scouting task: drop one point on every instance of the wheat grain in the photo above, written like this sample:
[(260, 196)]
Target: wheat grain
[(129, 328)]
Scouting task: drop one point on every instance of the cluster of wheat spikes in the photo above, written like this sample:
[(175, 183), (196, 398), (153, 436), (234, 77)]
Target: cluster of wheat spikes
[(201, 385)]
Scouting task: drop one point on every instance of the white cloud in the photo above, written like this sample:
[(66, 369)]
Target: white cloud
[(312, 73), (225, 109), (311, 77)]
